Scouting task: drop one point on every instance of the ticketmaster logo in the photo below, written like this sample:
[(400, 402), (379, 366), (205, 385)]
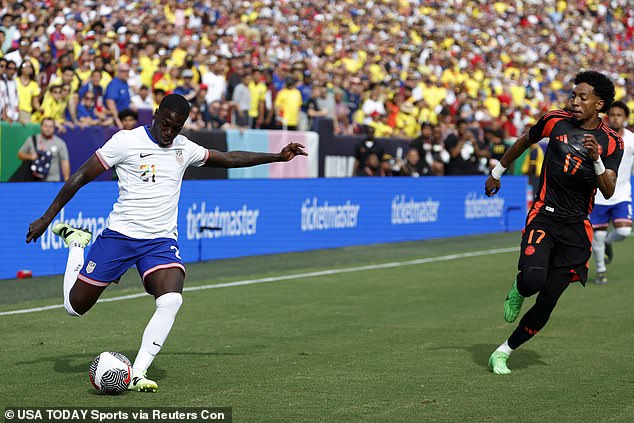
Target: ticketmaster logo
[(317, 217), (481, 207), (240, 222), (407, 212), (50, 241)]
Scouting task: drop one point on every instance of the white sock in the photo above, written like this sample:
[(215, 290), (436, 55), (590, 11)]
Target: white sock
[(618, 234), (598, 250), (505, 348), (73, 266), (157, 329)]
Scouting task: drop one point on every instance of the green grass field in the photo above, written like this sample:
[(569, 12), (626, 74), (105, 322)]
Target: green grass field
[(401, 343)]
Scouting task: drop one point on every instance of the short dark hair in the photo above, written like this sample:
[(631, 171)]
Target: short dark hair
[(128, 113), (602, 86), (175, 103), (621, 105)]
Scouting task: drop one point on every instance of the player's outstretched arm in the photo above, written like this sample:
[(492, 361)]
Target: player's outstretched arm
[(248, 158), (86, 173), (492, 184)]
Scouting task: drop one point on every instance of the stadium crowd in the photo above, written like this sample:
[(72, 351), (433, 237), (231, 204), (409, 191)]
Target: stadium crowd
[(468, 72)]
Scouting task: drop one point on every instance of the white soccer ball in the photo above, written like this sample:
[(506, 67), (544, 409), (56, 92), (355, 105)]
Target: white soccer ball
[(110, 372)]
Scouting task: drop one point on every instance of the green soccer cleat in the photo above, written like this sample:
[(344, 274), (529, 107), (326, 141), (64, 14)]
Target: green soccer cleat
[(70, 234), (513, 304), (497, 363), (140, 383)]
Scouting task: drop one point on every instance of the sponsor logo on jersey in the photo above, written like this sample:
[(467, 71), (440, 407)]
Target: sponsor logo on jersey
[(90, 266), (529, 251), (145, 155)]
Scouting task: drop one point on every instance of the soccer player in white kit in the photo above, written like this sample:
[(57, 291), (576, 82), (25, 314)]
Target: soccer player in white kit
[(618, 208), (142, 226)]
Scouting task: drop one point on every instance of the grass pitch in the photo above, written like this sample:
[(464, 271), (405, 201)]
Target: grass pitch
[(406, 342)]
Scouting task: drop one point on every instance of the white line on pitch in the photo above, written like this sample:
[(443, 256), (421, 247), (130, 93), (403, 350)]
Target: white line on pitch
[(294, 276)]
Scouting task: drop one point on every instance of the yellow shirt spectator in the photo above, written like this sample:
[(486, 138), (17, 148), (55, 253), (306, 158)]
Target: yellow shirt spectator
[(258, 92), (26, 93), (288, 104)]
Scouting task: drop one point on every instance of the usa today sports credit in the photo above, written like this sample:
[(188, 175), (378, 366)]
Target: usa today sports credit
[(113, 414)]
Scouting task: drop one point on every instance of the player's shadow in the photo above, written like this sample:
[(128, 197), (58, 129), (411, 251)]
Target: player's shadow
[(522, 358), (78, 363)]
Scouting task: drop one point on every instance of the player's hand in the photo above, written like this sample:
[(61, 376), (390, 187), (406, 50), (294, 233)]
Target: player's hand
[(491, 186), (291, 150), (592, 145), (36, 229)]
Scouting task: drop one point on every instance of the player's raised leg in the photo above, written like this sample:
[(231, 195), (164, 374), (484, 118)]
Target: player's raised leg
[(166, 285), (76, 240)]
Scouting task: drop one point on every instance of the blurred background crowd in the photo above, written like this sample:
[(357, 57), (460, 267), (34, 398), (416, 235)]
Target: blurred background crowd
[(459, 78)]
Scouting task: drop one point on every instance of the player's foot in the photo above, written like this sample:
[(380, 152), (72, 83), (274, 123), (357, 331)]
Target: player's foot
[(513, 304), (609, 253), (497, 363), (140, 383), (601, 278), (70, 234)]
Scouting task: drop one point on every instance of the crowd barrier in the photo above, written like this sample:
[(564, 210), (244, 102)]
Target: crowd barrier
[(82, 143), (272, 216)]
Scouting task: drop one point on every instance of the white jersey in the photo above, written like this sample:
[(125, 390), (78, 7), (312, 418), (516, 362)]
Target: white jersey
[(623, 189), (150, 180)]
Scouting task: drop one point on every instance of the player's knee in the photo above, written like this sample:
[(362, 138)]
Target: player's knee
[(171, 301), (531, 280), (70, 309), (624, 231)]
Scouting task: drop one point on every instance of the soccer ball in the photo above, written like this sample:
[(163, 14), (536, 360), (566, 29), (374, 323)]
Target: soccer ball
[(110, 373)]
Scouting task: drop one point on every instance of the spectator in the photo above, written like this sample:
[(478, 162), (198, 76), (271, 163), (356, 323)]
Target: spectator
[(143, 99), (117, 96), (242, 101), (413, 165), (129, 118), (366, 147), (257, 91), (93, 85), (216, 120), (288, 104), (47, 141), (89, 115), (28, 92), (465, 151), (195, 120), (186, 88), (371, 167), (9, 94), (431, 150)]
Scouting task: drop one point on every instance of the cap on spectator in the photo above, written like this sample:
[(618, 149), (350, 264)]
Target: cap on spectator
[(386, 157), (90, 35), (187, 73), (203, 86), (37, 44), (122, 30), (111, 34), (59, 21)]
